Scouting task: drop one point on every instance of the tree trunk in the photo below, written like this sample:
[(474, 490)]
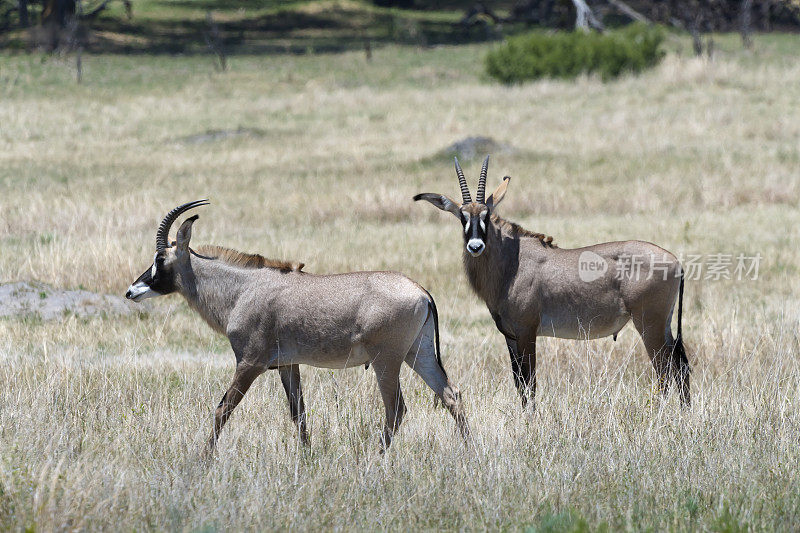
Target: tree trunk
[(214, 41), (546, 9), (24, 21), (697, 39), (77, 42), (746, 20), (56, 15), (766, 16), (697, 42), (584, 17), (57, 12)]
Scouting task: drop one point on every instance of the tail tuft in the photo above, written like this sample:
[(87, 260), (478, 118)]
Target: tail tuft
[(679, 358), (678, 350), (435, 313)]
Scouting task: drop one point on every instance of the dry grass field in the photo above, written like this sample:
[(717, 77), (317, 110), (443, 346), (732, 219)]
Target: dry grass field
[(102, 418)]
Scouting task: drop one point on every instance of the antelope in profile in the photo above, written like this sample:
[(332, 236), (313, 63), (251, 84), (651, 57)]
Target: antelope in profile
[(278, 317), (533, 288)]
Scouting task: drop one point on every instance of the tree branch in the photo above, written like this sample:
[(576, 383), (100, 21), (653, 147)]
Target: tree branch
[(628, 10)]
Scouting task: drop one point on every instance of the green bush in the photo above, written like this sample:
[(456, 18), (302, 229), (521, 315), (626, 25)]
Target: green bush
[(566, 55)]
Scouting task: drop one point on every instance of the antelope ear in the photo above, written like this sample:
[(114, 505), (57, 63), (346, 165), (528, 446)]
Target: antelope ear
[(442, 202), (498, 194), (185, 234)]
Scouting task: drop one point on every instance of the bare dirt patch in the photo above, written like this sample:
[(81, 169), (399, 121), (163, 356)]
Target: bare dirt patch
[(27, 298), (475, 147), (220, 135)]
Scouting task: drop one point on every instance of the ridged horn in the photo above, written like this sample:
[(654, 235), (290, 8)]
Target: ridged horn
[(462, 181), (481, 195), (162, 236)]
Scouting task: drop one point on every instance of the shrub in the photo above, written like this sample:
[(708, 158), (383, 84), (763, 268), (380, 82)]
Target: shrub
[(568, 54)]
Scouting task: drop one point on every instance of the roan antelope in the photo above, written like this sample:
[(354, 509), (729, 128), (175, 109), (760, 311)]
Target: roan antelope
[(533, 288), (277, 317)]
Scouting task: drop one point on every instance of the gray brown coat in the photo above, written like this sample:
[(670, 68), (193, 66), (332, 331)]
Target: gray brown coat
[(533, 288), (278, 317)]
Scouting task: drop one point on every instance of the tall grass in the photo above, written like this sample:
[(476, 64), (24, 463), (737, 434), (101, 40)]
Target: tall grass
[(102, 419)]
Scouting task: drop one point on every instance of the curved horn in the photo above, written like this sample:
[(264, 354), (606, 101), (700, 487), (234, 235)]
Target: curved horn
[(481, 195), (162, 235), (462, 181)]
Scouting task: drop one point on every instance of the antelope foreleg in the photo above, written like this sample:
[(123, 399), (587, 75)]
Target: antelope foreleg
[(242, 379), (513, 354), (523, 365)]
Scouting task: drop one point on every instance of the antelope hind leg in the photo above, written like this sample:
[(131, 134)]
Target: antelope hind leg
[(388, 375), (290, 379), (658, 348), (422, 359)]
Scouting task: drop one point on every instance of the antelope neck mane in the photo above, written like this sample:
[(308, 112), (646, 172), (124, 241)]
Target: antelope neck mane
[(515, 230), (243, 260)]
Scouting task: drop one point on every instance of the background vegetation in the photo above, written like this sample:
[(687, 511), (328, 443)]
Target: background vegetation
[(302, 26), (566, 55), (315, 157)]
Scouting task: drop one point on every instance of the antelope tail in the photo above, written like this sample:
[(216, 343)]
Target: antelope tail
[(678, 350), (435, 313)]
